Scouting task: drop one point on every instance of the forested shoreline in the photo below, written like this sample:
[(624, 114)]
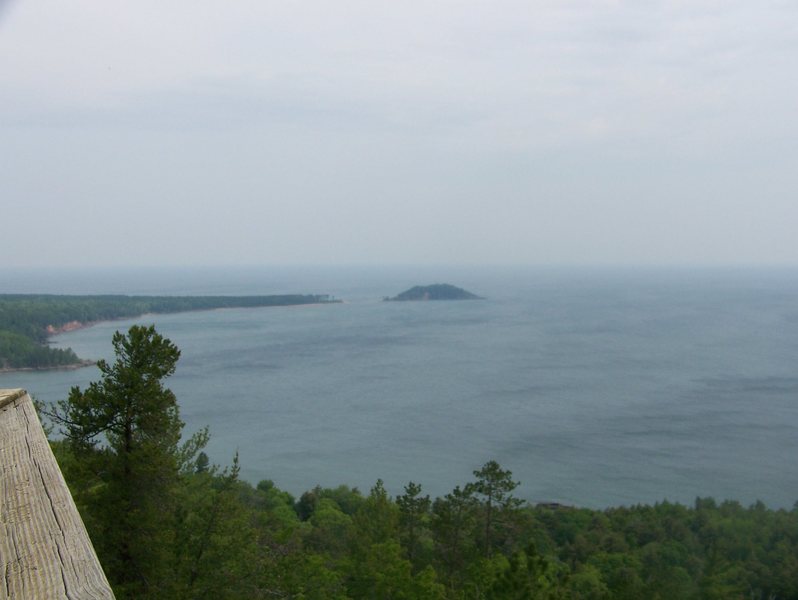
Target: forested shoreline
[(27, 320), (167, 524), (229, 539)]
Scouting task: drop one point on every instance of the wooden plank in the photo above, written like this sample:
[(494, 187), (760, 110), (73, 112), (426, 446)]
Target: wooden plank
[(45, 551)]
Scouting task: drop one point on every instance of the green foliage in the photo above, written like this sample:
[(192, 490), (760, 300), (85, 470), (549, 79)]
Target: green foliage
[(168, 524), (348, 500), (332, 531), (453, 526), (309, 576), (377, 519), (384, 573), (530, 575), (414, 516), (18, 351), (231, 540), (215, 553), (588, 584), (124, 432), (202, 463), (494, 488), (27, 319)]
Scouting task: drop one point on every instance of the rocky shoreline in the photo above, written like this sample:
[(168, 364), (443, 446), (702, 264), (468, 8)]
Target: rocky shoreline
[(71, 326)]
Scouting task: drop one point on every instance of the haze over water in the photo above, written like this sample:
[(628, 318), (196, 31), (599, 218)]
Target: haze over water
[(595, 387)]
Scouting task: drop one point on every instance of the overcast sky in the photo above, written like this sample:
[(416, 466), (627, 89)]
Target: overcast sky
[(366, 132)]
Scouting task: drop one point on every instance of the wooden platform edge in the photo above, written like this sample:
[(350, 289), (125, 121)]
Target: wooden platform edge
[(45, 551), (8, 396)]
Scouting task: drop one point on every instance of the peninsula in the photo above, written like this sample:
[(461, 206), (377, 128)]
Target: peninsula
[(436, 291), (27, 320)]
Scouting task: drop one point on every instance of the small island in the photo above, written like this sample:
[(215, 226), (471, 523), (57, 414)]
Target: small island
[(436, 291)]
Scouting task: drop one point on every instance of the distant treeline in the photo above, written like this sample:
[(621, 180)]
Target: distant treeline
[(26, 320)]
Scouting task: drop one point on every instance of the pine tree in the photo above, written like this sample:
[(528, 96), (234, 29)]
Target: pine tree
[(413, 514), (125, 432), (495, 485)]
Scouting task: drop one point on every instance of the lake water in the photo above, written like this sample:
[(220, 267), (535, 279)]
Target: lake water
[(596, 387)]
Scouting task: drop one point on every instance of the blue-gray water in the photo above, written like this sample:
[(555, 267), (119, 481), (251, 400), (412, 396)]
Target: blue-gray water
[(595, 387)]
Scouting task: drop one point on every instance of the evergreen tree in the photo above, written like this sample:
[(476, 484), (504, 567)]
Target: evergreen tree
[(453, 520), (125, 432), (495, 486), (377, 518), (530, 575), (413, 513), (216, 551)]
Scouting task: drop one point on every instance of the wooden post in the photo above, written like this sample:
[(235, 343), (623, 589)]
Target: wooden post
[(45, 551)]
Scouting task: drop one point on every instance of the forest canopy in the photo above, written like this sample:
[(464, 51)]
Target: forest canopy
[(26, 320), (200, 531)]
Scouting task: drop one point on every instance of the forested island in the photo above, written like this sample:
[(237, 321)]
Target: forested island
[(167, 524), (436, 291), (27, 320)]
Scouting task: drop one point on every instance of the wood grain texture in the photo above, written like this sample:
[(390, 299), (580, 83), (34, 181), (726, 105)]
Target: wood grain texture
[(45, 551)]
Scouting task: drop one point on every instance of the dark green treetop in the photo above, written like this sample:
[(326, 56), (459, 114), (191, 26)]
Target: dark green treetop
[(494, 486), (125, 430)]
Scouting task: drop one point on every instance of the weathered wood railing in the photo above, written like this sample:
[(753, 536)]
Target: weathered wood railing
[(45, 551)]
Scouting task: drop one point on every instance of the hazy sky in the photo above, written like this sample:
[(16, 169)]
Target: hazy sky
[(259, 132)]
